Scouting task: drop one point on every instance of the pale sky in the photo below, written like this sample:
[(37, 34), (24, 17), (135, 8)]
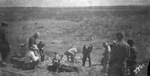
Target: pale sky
[(69, 3)]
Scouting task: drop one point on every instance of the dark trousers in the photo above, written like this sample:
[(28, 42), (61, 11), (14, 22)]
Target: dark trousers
[(84, 60), (148, 69), (32, 65), (42, 55), (4, 50), (132, 66), (117, 68)]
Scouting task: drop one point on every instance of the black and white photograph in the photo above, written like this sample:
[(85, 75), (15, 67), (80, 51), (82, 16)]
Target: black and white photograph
[(74, 37)]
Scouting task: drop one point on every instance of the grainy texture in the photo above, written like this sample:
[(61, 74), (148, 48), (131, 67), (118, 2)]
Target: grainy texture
[(62, 27)]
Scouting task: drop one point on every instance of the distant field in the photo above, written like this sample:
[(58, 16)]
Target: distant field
[(62, 27)]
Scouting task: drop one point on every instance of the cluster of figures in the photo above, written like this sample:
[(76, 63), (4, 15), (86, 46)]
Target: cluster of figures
[(35, 52), (118, 56)]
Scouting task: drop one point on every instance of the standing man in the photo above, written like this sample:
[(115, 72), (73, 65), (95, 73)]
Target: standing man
[(106, 57), (4, 45), (132, 59), (32, 40), (119, 55), (86, 54)]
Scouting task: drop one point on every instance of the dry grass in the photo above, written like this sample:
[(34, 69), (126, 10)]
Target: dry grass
[(78, 27)]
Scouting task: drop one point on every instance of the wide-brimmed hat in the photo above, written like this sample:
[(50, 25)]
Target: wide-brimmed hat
[(105, 43), (2, 23), (120, 33), (130, 41), (34, 47), (37, 34)]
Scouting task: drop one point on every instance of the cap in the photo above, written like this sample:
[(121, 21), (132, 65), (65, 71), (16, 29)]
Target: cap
[(4, 23), (130, 41), (119, 33), (34, 47)]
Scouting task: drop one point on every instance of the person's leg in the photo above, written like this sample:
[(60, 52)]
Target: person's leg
[(84, 60), (7, 53), (104, 68), (102, 61), (41, 54), (68, 58), (72, 58), (115, 70), (4, 55), (148, 69), (132, 73), (109, 71), (33, 64), (89, 60), (106, 65)]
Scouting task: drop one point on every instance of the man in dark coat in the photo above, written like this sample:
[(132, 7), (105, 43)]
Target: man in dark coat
[(4, 45), (119, 55), (132, 59), (86, 54), (32, 40)]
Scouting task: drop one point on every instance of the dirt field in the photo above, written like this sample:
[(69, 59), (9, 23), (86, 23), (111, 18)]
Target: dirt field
[(62, 27)]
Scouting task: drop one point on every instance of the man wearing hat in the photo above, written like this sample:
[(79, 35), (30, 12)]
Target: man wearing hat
[(119, 55), (32, 40), (32, 57), (86, 54), (4, 44)]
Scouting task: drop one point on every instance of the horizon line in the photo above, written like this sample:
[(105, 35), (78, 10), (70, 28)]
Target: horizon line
[(78, 6)]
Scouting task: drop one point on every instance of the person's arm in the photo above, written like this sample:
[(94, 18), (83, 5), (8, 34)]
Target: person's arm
[(34, 58), (128, 53), (5, 38), (112, 55), (31, 42), (84, 49)]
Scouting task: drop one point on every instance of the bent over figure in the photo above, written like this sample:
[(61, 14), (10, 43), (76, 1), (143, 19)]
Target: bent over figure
[(71, 53)]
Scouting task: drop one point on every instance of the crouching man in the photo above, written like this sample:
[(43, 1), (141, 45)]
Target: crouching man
[(56, 62), (71, 53), (32, 58)]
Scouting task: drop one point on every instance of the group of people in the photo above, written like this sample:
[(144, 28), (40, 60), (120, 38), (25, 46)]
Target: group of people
[(71, 54), (35, 54), (31, 57), (119, 57)]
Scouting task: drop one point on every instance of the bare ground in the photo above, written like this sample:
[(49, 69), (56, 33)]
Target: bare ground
[(60, 31)]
